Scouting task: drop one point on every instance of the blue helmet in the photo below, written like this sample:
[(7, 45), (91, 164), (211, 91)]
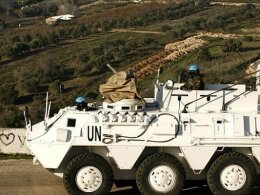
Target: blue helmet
[(80, 100), (194, 68)]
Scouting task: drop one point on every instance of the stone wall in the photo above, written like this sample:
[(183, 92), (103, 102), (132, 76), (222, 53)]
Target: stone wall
[(13, 141)]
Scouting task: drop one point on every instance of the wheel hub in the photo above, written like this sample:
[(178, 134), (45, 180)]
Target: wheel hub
[(233, 177), (162, 179), (89, 179)]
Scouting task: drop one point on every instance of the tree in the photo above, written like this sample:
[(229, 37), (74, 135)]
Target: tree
[(174, 35), (106, 26), (50, 71), (148, 40), (166, 28), (32, 11), (82, 30), (30, 85), (62, 32), (34, 44), (8, 94), (8, 51), (20, 49), (97, 51), (204, 3), (2, 25), (75, 33), (9, 116), (83, 57), (15, 39), (55, 87), (17, 49), (179, 33), (232, 45), (53, 38), (27, 38), (43, 41), (248, 38), (204, 54), (11, 12), (51, 9), (38, 99), (7, 4)]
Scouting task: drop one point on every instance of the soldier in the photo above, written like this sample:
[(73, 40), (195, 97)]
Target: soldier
[(81, 103), (194, 80)]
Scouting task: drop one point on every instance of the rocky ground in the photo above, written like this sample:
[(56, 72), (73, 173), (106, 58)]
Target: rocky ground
[(174, 51)]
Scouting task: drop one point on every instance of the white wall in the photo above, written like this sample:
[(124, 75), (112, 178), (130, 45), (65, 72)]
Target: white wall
[(13, 141)]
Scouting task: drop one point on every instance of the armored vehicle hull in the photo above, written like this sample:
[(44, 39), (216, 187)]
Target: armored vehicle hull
[(210, 134)]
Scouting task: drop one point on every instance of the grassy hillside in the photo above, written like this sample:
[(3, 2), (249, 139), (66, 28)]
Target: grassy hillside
[(69, 59)]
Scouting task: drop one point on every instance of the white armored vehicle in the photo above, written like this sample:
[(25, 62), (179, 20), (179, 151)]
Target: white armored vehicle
[(211, 134)]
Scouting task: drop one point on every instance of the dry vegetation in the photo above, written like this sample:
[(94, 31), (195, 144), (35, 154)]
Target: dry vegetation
[(75, 55)]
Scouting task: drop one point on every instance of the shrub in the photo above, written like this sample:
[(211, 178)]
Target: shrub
[(55, 87), (204, 54), (30, 85), (27, 38), (16, 50), (32, 11), (2, 25), (248, 38), (8, 94), (15, 39), (83, 69), (166, 28), (232, 45), (9, 116), (53, 38), (97, 51), (83, 57)]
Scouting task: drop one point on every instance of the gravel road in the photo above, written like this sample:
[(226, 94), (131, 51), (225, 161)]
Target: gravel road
[(23, 178)]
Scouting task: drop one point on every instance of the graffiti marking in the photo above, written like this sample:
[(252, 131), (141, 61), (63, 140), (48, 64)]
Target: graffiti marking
[(21, 139), (7, 139)]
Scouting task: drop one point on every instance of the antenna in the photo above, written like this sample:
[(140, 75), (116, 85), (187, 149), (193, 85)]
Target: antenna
[(159, 71), (46, 106), (111, 68), (47, 110), (26, 115), (158, 75)]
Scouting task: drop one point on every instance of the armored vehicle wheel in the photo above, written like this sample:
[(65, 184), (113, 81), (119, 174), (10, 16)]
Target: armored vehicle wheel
[(160, 173), (88, 174), (232, 173)]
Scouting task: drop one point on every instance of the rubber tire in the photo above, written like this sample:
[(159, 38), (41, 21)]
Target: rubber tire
[(88, 159), (213, 175), (155, 160)]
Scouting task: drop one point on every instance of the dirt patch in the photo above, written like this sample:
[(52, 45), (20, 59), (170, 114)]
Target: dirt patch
[(92, 4), (174, 51), (127, 11), (255, 30), (136, 31)]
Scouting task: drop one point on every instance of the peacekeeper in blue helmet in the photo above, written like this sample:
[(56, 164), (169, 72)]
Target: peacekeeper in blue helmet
[(193, 80), (81, 103)]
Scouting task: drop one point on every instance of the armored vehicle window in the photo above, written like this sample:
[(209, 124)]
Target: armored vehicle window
[(71, 122), (125, 108)]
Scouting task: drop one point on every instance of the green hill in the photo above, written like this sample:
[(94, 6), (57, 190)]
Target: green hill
[(69, 59)]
